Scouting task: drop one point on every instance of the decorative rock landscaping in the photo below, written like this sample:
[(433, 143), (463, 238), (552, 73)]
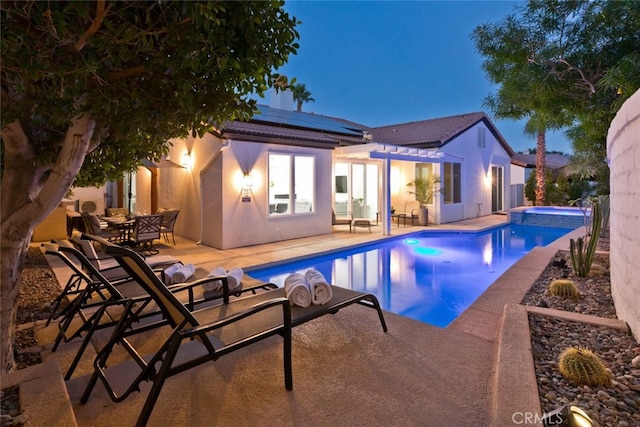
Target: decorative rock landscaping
[(617, 404)]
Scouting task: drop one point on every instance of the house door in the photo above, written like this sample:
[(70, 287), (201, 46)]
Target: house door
[(497, 188), (129, 191), (357, 190)]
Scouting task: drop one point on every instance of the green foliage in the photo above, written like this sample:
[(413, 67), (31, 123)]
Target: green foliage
[(583, 367), (560, 63), (559, 191), (563, 288), (424, 189), (150, 71), (582, 253), (300, 94)]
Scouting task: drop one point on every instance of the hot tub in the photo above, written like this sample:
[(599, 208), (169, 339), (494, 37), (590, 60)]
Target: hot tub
[(550, 216)]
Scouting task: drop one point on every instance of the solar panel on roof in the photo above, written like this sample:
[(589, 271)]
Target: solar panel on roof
[(303, 120)]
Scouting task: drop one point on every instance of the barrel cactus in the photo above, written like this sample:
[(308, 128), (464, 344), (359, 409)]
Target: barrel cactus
[(563, 288), (581, 366)]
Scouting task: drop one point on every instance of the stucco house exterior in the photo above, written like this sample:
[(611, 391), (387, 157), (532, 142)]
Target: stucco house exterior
[(280, 175)]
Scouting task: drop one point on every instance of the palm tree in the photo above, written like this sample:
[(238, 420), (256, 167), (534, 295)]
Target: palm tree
[(301, 94)]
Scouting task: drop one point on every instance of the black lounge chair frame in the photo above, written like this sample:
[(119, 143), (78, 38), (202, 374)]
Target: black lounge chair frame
[(258, 309), (92, 303)]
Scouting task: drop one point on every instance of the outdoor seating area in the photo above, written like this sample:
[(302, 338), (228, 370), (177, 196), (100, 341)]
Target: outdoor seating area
[(120, 226), (407, 342)]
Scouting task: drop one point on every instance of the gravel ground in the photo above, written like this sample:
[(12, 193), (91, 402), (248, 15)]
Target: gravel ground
[(39, 287), (614, 405)]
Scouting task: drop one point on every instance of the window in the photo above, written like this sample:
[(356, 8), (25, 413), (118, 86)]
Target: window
[(424, 170), (482, 137), (452, 183), (291, 184)]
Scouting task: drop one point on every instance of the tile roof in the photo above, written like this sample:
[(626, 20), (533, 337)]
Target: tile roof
[(431, 132), (283, 126)]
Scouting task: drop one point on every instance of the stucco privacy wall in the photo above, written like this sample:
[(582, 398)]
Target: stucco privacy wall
[(180, 188), (623, 155)]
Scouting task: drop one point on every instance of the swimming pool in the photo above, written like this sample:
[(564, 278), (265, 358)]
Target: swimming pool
[(428, 276)]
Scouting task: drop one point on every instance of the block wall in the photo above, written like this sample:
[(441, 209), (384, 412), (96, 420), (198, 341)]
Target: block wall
[(623, 156)]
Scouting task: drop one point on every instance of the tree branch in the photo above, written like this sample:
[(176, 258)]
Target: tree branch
[(97, 22), (121, 74)]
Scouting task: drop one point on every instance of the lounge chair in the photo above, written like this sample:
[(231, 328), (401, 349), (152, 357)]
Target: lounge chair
[(106, 265), (95, 301), (341, 221), (219, 329)]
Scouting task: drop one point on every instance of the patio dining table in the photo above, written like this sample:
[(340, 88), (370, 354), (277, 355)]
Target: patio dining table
[(124, 225)]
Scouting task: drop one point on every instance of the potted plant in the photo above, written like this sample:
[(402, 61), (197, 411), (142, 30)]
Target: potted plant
[(424, 189), (393, 210)]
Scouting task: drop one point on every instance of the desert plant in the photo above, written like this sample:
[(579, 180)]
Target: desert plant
[(581, 252), (598, 270), (581, 366), (563, 288), (424, 189)]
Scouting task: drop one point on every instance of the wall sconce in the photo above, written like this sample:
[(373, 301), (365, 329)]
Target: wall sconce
[(247, 183), (487, 180), (187, 161)]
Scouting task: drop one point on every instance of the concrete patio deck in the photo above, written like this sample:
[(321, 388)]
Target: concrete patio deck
[(478, 371)]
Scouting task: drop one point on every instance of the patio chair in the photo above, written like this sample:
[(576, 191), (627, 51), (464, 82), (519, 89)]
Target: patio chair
[(341, 221), (220, 329), (98, 302), (145, 231), (169, 218), (93, 225)]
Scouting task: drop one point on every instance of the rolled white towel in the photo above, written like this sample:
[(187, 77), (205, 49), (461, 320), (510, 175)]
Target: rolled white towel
[(234, 278), (216, 284), (183, 273), (170, 271), (320, 290), (297, 290)]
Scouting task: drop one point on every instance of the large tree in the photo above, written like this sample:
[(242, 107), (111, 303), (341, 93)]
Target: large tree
[(564, 63), (89, 88)]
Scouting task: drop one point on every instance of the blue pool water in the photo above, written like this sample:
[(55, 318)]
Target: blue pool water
[(430, 276), (555, 210)]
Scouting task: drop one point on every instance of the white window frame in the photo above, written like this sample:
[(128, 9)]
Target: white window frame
[(291, 201)]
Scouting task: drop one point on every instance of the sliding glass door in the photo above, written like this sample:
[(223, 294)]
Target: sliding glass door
[(356, 191)]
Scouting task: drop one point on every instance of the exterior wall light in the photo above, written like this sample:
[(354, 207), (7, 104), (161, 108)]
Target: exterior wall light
[(247, 181), (187, 161), (488, 180)]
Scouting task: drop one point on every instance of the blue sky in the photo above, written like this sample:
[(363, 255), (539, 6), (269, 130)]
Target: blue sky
[(387, 62)]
